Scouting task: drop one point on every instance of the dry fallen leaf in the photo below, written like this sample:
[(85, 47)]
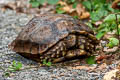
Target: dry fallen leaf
[(101, 57), (111, 75), (21, 7), (18, 6), (67, 8), (115, 4), (83, 67), (102, 66), (118, 75), (81, 12), (98, 23), (62, 3), (78, 11), (109, 34), (108, 50), (118, 65)]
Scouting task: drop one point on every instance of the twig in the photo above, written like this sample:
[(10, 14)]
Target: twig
[(117, 28), (91, 6)]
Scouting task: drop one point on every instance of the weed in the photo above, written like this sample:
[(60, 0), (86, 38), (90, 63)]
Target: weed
[(47, 63), (91, 60), (16, 66)]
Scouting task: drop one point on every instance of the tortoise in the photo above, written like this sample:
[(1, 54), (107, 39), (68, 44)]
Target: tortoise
[(55, 38)]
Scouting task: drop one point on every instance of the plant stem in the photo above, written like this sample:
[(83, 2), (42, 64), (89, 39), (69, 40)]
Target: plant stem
[(91, 6), (117, 28)]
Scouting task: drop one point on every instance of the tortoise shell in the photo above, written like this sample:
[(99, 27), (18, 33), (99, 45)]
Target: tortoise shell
[(48, 36)]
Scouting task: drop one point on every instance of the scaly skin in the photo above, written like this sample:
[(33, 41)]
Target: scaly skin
[(55, 38)]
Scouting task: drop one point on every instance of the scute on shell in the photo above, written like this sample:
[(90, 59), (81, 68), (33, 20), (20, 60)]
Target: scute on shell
[(44, 31)]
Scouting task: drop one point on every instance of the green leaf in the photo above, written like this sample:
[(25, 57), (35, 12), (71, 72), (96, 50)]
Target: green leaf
[(52, 1), (103, 12), (112, 26), (98, 14), (7, 74), (14, 63), (96, 2), (60, 11), (58, 6), (118, 31), (49, 64), (90, 25), (118, 4), (100, 34), (12, 69), (18, 66), (90, 60), (15, 66), (72, 1), (44, 61), (87, 4), (75, 17), (74, 5), (102, 1), (35, 4), (94, 16), (111, 18), (41, 1), (110, 8), (113, 42)]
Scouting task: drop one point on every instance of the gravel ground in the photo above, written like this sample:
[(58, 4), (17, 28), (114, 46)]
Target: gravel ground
[(5, 1), (10, 25)]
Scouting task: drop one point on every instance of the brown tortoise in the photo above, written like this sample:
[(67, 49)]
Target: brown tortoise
[(55, 38)]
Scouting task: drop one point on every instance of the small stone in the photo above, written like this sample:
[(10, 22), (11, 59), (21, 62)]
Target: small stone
[(7, 61)]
